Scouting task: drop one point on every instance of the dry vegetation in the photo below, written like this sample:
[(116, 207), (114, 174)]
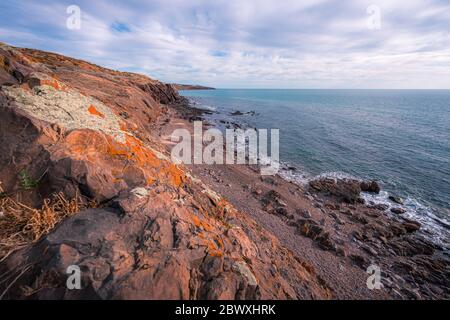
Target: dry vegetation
[(21, 225)]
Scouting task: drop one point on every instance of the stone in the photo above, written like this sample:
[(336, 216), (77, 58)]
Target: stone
[(370, 186), (396, 199), (346, 190), (380, 206), (411, 226), (398, 210)]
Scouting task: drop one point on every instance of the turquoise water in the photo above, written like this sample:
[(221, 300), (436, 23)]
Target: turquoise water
[(399, 137)]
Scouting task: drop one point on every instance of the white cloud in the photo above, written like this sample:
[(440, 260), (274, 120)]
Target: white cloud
[(300, 44)]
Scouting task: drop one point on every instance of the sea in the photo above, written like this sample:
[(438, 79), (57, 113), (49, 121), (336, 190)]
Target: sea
[(401, 138)]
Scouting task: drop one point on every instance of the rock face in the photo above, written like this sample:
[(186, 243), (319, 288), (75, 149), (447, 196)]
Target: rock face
[(157, 232)]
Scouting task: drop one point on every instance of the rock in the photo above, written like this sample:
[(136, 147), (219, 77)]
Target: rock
[(304, 213), (346, 190), (396, 199), (311, 229), (358, 235), (360, 261), (332, 206), (269, 180), (411, 226), (370, 186), (359, 218), (272, 203), (347, 212), (340, 251), (155, 231), (139, 192), (236, 113), (398, 210), (281, 211), (258, 191), (380, 206), (370, 250), (243, 269)]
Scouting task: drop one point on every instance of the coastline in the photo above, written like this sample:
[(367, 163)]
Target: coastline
[(357, 235), (87, 180), (399, 194)]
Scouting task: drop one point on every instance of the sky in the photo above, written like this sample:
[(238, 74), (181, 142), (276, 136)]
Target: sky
[(385, 44)]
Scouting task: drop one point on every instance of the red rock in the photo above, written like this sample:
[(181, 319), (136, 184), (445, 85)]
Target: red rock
[(158, 234)]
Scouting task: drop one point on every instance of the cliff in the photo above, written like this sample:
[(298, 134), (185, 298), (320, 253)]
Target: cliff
[(85, 181)]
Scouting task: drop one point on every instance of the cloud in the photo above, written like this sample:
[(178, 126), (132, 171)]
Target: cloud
[(264, 43)]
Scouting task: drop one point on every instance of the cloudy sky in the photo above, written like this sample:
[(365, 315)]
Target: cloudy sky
[(248, 44)]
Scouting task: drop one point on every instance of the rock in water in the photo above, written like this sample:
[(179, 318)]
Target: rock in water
[(396, 199), (346, 190), (370, 186)]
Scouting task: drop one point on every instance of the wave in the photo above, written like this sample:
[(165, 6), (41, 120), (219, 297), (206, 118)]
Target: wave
[(433, 227)]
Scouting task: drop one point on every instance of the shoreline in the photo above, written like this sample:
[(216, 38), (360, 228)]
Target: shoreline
[(348, 237), (434, 225)]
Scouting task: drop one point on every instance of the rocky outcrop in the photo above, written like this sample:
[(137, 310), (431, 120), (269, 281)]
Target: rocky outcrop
[(346, 190), (156, 232)]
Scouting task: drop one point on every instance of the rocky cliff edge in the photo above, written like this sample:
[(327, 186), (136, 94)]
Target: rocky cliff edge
[(142, 227)]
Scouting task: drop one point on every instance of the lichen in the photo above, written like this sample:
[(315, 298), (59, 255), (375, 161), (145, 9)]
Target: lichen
[(66, 108)]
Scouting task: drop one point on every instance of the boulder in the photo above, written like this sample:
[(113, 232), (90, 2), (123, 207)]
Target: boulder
[(396, 199), (370, 186), (411, 226), (346, 190), (398, 210)]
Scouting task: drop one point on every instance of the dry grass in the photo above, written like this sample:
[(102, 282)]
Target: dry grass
[(21, 225)]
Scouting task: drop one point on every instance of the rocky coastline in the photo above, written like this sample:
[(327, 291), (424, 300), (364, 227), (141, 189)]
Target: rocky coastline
[(86, 180)]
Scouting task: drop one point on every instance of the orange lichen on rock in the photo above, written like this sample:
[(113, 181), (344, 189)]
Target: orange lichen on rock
[(95, 112), (123, 126), (135, 151), (201, 224), (82, 143), (52, 83), (213, 246)]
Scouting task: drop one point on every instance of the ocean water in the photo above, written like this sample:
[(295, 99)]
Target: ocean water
[(399, 137)]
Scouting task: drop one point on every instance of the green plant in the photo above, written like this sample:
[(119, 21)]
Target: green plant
[(26, 182)]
